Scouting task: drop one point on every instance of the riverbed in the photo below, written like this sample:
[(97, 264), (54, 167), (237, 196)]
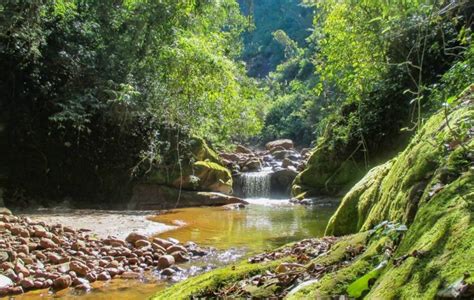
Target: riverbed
[(264, 224)]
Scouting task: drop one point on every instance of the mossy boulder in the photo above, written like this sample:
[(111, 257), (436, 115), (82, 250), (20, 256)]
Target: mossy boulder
[(436, 157), (326, 173), (208, 176), (200, 170)]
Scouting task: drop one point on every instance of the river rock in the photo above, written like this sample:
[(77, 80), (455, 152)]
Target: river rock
[(175, 248), (286, 163), (142, 243), (27, 284), (79, 268), (5, 211), (104, 276), (252, 164), (168, 272), (47, 244), (62, 282), (19, 268), (243, 149), (165, 261), (5, 281), (180, 256), (284, 143), (134, 237)]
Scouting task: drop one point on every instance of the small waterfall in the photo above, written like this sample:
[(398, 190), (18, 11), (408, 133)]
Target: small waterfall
[(256, 184)]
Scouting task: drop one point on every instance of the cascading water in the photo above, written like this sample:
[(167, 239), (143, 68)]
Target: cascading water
[(256, 184)]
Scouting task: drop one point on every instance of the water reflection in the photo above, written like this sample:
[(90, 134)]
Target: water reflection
[(256, 228)]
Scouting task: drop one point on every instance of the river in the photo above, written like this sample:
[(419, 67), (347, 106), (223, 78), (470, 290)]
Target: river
[(264, 224)]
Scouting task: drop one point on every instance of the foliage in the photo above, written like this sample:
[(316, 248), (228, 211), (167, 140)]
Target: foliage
[(262, 53), (91, 91)]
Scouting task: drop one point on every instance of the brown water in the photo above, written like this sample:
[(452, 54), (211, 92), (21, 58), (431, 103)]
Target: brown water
[(264, 224), (255, 228)]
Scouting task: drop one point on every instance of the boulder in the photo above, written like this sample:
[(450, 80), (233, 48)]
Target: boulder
[(165, 261), (284, 143), (281, 180), (207, 176), (202, 170), (243, 149), (286, 163), (252, 164)]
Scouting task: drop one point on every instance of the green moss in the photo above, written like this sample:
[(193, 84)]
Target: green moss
[(354, 207), (326, 172), (443, 228), (337, 282), (201, 172), (202, 284), (393, 191), (430, 187)]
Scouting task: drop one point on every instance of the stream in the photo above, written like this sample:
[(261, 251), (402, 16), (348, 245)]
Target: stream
[(234, 233)]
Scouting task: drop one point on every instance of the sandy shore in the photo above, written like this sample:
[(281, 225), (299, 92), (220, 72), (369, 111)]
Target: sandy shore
[(102, 223)]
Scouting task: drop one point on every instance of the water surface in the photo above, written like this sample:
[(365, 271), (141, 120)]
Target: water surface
[(264, 224)]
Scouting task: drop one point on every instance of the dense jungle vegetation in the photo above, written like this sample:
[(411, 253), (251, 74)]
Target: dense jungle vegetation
[(94, 92)]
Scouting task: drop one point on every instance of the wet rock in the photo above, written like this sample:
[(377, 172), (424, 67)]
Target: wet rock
[(162, 242), (165, 261), (38, 284), (233, 206), (175, 248), (173, 240), (104, 276), (168, 272), (286, 163), (27, 284), (16, 290), (157, 247), (252, 164), (91, 277), (180, 256), (62, 282)]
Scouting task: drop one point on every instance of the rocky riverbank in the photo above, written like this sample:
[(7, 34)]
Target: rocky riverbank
[(280, 160), (36, 255)]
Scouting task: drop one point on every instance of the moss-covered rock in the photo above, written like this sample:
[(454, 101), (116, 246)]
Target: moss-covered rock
[(326, 173), (436, 156), (201, 170), (429, 187)]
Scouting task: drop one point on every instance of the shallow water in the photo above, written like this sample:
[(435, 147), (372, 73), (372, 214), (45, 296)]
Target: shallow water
[(264, 224)]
